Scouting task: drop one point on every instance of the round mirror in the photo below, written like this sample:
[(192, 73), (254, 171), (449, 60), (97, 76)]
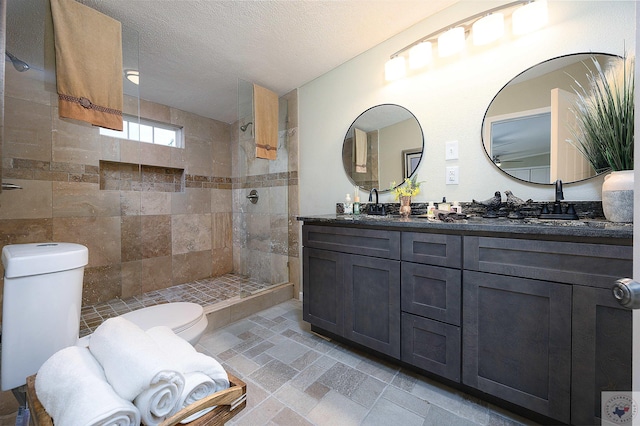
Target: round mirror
[(383, 145), (527, 129)]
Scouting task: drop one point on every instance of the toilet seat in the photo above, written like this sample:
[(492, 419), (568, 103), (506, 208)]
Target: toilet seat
[(186, 319), (178, 316)]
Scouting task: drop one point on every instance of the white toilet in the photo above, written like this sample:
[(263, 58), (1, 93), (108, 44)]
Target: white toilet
[(40, 306), (186, 319), (42, 302)]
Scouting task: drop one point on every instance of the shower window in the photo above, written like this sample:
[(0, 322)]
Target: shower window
[(147, 131)]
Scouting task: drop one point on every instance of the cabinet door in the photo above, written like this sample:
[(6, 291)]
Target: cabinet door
[(323, 289), (431, 345), (602, 346), (432, 292), (372, 303), (517, 341)]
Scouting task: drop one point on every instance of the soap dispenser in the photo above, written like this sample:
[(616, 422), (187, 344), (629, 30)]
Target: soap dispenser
[(348, 205)]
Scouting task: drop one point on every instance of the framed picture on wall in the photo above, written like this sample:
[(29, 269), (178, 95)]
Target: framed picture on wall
[(410, 160)]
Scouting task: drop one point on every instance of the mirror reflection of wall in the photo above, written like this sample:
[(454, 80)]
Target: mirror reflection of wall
[(378, 144), (527, 127)]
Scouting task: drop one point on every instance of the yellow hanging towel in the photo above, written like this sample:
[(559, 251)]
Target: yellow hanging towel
[(265, 114), (88, 47)]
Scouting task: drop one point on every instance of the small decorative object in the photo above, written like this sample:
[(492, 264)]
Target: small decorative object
[(604, 133), (492, 204), (404, 192), (514, 204), (405, 206)]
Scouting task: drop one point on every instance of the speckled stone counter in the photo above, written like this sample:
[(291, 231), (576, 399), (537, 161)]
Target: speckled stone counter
[(529, 227)]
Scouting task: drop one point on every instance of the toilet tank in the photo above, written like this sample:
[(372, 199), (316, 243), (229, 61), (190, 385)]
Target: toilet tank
[(41, 305)]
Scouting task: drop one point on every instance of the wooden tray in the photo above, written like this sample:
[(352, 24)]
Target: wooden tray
[(229, 402)]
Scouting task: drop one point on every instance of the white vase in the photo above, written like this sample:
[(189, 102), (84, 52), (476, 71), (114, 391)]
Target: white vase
[(617, 196)]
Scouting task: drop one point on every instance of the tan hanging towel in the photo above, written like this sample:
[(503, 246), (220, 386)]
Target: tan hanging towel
[(360, 145), (88, 48), (265, 115)]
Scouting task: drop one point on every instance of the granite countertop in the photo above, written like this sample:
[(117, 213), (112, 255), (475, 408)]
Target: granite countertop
[(529, 226)]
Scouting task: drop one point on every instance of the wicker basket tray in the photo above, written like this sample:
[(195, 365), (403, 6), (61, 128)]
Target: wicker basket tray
[(229, 402)]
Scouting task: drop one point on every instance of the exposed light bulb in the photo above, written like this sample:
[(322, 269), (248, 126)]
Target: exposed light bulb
[(488, 29), (530, 17), (394, 68), (420, 55), (451, 42)]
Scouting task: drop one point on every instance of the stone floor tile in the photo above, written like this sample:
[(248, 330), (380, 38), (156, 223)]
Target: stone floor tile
[(386, 413), (406, 400), (287, 417), (368, 392), (287, 351), (273, 375), (343, 379), (335, 409), (295, 399), (259, 415), (441, 417)]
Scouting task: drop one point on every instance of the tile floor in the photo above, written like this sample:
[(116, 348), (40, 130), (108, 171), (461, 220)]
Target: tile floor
[(205, 292), (296, 378)]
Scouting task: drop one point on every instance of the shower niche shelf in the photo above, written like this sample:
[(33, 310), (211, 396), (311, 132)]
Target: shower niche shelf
[(140, 177)]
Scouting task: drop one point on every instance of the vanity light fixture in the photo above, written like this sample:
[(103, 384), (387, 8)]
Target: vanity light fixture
[(485, 27), (133, 76), (420, 55)]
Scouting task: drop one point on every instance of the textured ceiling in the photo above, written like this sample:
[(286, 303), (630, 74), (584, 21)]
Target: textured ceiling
[(192, 53)]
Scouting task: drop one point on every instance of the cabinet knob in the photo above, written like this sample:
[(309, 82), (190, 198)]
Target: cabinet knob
[(627, 292)]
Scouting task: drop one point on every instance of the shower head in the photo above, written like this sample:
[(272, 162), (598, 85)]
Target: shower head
[(19, 65), (244, 127)]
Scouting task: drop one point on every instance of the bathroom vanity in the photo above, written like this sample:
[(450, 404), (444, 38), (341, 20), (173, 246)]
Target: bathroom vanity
[(513, 311)]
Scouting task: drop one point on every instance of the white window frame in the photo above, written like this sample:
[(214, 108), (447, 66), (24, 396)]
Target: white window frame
[(127, 131)]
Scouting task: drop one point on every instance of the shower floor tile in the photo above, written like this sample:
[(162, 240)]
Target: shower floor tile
[(205, 292)]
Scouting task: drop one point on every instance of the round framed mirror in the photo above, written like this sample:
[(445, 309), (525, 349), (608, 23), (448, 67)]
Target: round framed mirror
[(527, 128), (383, 145)]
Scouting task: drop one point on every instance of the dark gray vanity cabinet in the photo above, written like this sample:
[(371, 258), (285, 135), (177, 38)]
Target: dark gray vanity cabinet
[(351, 284), (517, 341), (540, 326), (601, 357), (431, 302)]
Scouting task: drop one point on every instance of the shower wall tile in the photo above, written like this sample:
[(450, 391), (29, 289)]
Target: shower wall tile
[(74, 141), (109, 148), (222, 261), (221, 230), (154, 111), (199, 154), (156, 273), (278, 200), (131, 279), (27, 87), (33, 201), (22, 231), (130, 238), (279, 236), (221, 200), (100, 284), (191, 233), (156, 236), (130, 152), (155, 155), (191, 266), (191, 201), (27, 130), (131, 202), (155, 203), (101, 235), (73, 199)]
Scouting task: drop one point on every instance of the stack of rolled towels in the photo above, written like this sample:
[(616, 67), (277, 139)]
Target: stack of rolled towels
[(127, 376)]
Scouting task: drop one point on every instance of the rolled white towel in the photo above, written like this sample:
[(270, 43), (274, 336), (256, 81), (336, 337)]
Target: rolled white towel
[(197, 386), (73, 389), (138, 368), (187, 358)]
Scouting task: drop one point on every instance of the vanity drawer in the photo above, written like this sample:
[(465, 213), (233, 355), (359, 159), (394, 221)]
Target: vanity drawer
[(367, 242), (432, 292), (594, 265), (432, 249), (431, 345)]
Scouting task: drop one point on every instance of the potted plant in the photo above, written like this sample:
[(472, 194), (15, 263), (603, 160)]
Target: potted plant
[(604, 113), (404, 192)]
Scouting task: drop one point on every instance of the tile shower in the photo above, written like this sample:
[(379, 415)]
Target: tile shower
[(164, 216)]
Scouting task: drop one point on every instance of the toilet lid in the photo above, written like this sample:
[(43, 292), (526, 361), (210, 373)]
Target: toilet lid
[(177, 315)]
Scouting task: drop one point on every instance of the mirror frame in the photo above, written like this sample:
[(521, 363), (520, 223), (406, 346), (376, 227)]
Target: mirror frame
[(408, 154), (516, 77)]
